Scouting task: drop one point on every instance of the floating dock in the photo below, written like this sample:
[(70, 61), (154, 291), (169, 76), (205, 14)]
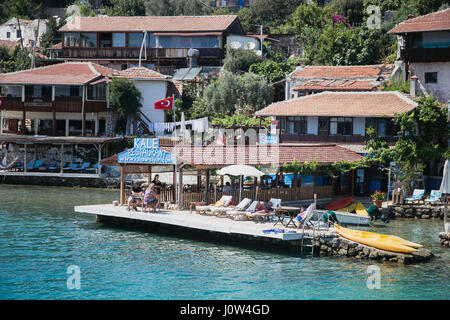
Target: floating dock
[(183, 223)]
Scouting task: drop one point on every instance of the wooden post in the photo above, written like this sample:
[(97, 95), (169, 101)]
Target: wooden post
[(207, 187), (62, 159), (83, 113), (174, 184), (199, 180), (149, 174), (255, 187), (23, 122), (122, 184), (232, 189)]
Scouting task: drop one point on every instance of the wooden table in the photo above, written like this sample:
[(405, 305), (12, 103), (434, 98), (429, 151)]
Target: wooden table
[(291, 212), (196, 203)]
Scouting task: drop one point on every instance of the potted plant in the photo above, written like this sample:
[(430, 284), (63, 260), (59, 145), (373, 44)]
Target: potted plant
[(378, 198)]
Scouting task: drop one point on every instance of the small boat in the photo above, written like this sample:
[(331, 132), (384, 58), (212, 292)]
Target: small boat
[(339, 204), (352, 218), (349, 208), (376, 240)]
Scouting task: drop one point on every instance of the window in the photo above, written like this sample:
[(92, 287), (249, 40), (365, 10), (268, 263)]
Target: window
[(383, 127), (8, 35), (19, 34), (166, 42), (75, 91), (135, 39), (72, 39), (342, 126), (97, 92), (105, 40), (88, 40), (118, 39), (431, 77), (296, 125)]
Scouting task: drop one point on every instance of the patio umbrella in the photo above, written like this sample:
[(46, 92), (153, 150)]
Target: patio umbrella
[(445, 190), (240, 170)]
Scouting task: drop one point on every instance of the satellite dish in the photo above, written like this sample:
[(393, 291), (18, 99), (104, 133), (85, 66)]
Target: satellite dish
[(235, 45)]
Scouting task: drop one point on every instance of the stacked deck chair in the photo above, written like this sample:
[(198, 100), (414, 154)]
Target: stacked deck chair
[(242, 214), (225, 201), (262, 215), (222, 211)]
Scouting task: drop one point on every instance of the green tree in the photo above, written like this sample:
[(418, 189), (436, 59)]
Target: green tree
[(18, 60), (16, 9), (179, 7), (230, 92), (240, 60), (274, 71), (125, 8), (125, 97), (52, 36)]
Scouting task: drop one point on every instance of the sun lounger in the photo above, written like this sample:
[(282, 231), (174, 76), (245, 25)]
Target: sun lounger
[(417, 195), (222, 211), (94, 168), (305, 221), (84, 166), (223, 202), (260, 216), (242, 214), (435, 196)]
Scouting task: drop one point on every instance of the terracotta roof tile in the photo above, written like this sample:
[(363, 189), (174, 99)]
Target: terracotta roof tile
[(349, 104), (347, 72), (72, 73), (153, 23), (338, 85), (140, 73), (435, 21)]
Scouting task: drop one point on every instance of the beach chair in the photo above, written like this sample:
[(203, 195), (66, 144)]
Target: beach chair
[(261, 216), (242, 214), (222, 211), (435, 196), (305, 222), (225, 201), (37, 164), (84, 166), (72, 166), (94, 168), (417, 195)]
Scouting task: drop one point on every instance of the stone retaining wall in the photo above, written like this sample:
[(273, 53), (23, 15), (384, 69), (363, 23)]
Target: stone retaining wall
[(444, 239), (331, 244), (418, 212)]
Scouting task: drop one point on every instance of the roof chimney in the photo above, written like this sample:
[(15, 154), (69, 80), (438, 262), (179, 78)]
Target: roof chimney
[(193, 56), (413, 86)]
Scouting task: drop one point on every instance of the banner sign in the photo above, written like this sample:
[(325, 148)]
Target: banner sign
[(268, 139), (146, 151)]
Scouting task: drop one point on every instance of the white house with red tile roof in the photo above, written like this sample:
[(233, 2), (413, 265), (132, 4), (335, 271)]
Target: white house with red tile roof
[(306, 80), (341, 117), (117, 41), (424, 48), (153, 86), (60, 100), (16, 29)]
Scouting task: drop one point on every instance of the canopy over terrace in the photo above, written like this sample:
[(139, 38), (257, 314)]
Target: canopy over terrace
[(206, 158), (28, 142)]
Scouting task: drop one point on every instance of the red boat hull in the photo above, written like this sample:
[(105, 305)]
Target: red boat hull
[(339, 204)]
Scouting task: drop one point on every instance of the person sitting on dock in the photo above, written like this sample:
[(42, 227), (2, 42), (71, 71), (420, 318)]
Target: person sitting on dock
[(135, 197), (374, 214), (151, 198)]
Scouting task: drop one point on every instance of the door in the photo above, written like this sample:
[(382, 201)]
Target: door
[(323, 126)]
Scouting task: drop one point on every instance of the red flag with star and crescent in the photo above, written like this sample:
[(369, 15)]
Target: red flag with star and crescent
[(164, 104)]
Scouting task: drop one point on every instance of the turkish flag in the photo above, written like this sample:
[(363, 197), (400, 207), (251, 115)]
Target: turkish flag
[(164, 104)]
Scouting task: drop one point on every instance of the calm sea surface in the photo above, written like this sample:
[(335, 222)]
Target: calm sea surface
[(41, 237)]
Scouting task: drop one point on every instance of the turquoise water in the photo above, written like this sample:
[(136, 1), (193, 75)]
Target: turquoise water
[(41, 237)]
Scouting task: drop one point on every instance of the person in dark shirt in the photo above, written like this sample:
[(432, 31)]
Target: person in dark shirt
[(135, 197), (157, 184)]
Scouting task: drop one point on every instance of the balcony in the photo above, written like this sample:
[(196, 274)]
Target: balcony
[(287, 138), (425, 54), (60, 104), (133, 53)]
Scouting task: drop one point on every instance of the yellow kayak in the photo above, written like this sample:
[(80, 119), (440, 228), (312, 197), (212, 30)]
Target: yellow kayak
[(360, 209), (349, 208), (380, 241)]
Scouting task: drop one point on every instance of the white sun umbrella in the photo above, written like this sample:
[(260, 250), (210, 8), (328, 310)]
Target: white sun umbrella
[(445, 190), (240, 170)]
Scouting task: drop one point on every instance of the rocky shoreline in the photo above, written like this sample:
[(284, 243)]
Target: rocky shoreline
[(332, 244)]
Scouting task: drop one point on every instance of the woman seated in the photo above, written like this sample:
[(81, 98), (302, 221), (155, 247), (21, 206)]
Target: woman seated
[(151, 198), (135, 197)]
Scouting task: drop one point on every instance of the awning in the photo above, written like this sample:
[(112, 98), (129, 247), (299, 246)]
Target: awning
[(187, 34), (186, 74)]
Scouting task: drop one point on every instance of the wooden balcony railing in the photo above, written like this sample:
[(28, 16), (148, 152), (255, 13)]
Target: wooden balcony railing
[(60, 104), (133, 53), (425, 54), (286, 138)]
